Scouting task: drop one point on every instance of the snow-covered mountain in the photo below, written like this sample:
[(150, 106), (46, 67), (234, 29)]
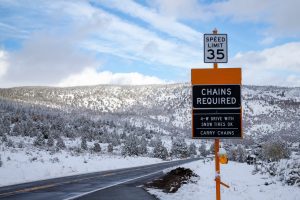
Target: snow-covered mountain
[(268, 110)]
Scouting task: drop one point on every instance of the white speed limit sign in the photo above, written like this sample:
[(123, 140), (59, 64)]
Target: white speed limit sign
[(215, 48)]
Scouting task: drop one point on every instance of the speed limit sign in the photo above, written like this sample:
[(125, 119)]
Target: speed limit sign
[(215, 48)]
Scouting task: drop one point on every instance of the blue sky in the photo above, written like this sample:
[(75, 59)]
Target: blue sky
[(88, 42)]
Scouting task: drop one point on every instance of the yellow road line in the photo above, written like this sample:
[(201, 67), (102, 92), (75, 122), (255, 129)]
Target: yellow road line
[(50, 185), (109, 174), (28, 189)]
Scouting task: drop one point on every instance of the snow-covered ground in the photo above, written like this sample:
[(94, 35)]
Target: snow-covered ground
[(24, 166), (243, 185)]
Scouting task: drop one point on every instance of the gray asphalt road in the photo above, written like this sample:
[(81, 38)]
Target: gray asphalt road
[(114, 184)]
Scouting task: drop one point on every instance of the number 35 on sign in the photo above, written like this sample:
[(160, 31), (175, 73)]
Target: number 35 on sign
[(215, 48)]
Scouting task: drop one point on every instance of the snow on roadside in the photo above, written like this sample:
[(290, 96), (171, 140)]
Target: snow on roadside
[(23, 166), (243, 185)]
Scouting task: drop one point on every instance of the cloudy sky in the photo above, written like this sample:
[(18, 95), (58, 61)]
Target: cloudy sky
[(87, 42)]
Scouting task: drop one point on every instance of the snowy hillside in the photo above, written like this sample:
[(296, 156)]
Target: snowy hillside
[(161, 107), (267, 110)]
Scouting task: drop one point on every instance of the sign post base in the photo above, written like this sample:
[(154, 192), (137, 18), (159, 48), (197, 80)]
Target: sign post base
[(217, 163)]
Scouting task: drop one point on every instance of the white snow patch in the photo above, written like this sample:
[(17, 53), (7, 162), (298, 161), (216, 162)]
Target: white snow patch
[(243, 185)]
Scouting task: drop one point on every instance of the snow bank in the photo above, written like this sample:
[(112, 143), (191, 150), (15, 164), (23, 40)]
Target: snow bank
[(25, 166)]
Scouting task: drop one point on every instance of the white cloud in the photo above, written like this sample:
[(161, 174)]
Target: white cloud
[(285, 56), (130, 41), (90, 76), (274, 66), (3, 62), (156, 20), (183, 9), (102, 32), (267, 40), (281, 16), (45, 59), (253, 10), (48, 57)]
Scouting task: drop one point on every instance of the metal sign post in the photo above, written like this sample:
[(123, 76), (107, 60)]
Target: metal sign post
[(217, 148)]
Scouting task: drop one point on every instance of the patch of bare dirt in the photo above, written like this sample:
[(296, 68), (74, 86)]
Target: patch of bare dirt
[(173, 180)]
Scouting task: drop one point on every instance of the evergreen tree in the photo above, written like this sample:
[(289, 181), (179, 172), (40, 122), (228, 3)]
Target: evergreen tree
[(25, 126), (4, 138), (10, 143), (155, 141), (123, 135), (60, 144), (179, 148), (1, 129), (50, 141), (232, 154), (143, 146), (131, 146), (83, 143), (241, 154), (148, 135), (17, 129), (202, 150), (21, 144), (192, 149), (238, 154), (212, 148), (39, 141), (275, 150), (97, 147), (160, 151), (6, 124), (115, 139), (110, 148)]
